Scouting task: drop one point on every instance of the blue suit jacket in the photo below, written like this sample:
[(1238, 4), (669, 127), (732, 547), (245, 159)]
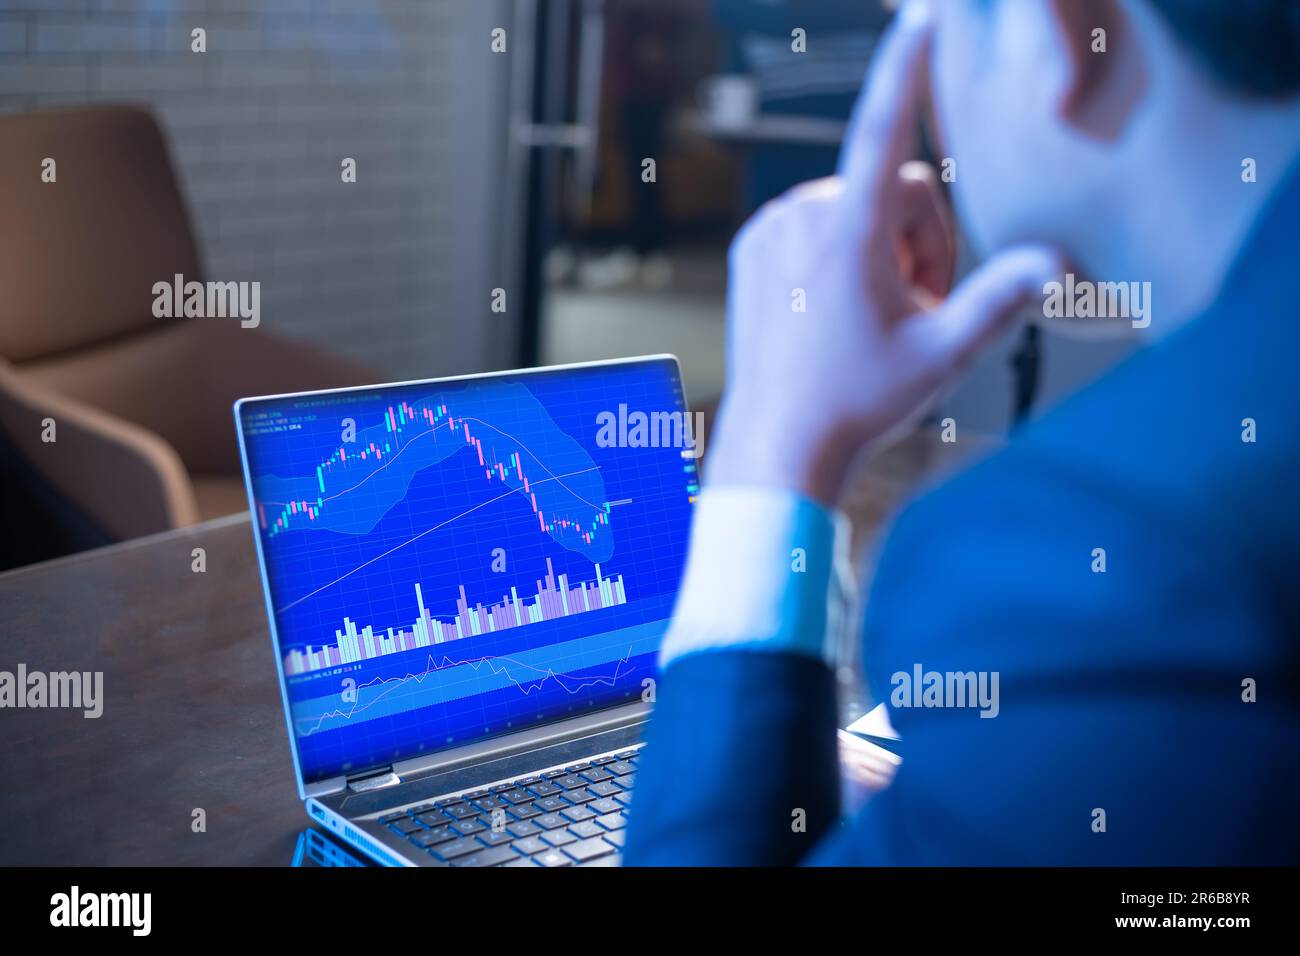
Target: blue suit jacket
[(1120, 691)]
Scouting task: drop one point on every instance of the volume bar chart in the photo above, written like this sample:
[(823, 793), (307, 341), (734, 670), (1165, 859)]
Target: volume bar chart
[(555, 598)]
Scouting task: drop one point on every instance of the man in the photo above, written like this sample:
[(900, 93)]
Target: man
[(1118, 584)]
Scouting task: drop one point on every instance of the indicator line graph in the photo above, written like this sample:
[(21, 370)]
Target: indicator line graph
[(398, 547), (498, 666)]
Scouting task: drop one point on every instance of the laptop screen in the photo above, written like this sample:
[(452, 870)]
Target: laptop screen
[(450, 561)]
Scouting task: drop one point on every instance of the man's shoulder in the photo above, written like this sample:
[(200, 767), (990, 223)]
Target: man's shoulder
[(1132, 516), (1118, 533), (1189, 440)]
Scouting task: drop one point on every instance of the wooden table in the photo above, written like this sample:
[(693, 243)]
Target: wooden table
[(191, 720), (192, 716)]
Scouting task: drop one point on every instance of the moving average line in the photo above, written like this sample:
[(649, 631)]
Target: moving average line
[(464, 418), (441, 524)]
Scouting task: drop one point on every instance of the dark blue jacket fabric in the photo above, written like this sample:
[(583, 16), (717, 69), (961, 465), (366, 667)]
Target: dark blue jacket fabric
[(1119, 691)]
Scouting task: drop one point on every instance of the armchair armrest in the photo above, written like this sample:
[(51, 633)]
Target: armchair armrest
[(125, 478)]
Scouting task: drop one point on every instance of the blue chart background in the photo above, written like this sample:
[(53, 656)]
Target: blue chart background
[(645, 541)]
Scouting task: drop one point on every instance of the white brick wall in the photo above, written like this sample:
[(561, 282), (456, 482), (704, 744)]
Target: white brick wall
[(386, 269)]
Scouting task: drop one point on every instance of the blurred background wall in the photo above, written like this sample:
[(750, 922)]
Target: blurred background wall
[(397, 269), (394, 269), (582, 164)]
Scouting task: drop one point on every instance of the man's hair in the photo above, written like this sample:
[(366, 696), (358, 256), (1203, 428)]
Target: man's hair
[(1250, 46)]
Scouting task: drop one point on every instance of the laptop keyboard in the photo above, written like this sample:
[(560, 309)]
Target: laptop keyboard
[(558, 817)]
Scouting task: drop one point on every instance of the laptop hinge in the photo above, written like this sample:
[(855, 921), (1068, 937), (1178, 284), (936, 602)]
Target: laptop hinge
[(374, 780), (523, 741)]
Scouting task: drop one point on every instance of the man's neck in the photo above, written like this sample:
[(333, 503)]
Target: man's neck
[(1189, 205)]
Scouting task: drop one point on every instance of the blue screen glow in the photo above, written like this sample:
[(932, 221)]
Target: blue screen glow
[(450, 561)]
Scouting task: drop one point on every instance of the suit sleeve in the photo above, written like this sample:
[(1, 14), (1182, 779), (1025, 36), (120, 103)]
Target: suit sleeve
[(741, 766), (1109, 729)]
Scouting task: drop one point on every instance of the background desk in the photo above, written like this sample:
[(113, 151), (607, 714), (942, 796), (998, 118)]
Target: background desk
[(192, 716)]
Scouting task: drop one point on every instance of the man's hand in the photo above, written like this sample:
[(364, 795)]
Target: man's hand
[(868, 253)]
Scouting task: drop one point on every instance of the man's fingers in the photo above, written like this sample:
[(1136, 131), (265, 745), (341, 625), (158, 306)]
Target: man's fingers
[(925, 229), (881, 134), (984, 304)]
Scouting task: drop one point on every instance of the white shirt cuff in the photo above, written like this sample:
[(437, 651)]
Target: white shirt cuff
[(768, 570)]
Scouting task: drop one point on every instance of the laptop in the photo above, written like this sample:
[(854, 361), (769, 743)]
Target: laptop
[(467, 581)]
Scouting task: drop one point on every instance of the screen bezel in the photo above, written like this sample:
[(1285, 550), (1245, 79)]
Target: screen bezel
[(439, 758)]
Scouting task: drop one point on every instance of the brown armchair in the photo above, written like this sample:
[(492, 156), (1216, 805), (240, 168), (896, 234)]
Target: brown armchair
[(141, 406)]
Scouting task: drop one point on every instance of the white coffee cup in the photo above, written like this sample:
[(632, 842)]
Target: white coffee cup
[(729, 100)]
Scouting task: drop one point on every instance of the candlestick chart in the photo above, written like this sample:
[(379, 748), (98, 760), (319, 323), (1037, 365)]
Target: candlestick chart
[(450, 561)]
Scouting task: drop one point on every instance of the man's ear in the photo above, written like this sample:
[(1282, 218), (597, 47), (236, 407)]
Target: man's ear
[(1104, 75)]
